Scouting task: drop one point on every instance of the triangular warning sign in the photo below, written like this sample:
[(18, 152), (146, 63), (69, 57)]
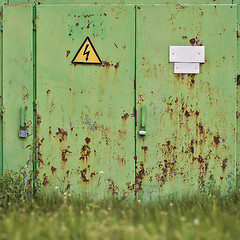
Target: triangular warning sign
[(86, 54)]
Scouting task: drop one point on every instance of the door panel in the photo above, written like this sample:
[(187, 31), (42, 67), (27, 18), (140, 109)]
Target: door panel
[(17, 84), (190, 119), (85, 120)]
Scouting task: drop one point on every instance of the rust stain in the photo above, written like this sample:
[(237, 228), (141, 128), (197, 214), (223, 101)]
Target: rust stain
[(39, 155), (93, 174), (39, 119), (64, 153), (48, 91), (107, 64), (144, 148), (83, 175), (25, 94), (67, 53), (87, 140), (50, 130), (125, 116), (45, 180), (61, 134), (112, 187), (139, 177), (197, 113), (85, 150), (224, 164), (201, 129), (68, 187), (216, 140), (117, 65), (88, 24), (130, 186), (115, 45), (184, 37), (203, 162), (53, 169), (195, 41), (192, 41), (187, 114), (110, 64)]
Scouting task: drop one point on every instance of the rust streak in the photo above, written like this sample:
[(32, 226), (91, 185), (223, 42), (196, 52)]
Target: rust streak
[(224, 164), (125, 116), (53, 169), (45, 180), (67, 53), (216, 140)]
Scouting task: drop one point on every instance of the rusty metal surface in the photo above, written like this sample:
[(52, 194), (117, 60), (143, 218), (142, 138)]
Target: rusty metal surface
[(85, 120), (86, 114), (190, 143)]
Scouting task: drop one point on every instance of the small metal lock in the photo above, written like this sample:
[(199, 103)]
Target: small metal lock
[(23, 129), (23, 133)]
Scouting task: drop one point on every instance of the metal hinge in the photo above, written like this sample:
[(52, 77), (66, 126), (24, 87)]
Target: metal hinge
[(34, 25), (1, 112), (35, 105)]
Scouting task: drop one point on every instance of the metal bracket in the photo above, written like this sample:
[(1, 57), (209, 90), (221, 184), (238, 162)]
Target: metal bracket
[(34, 105), (187, 59), (1, 112)]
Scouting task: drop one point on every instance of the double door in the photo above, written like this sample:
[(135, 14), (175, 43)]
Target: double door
[(87, 118)]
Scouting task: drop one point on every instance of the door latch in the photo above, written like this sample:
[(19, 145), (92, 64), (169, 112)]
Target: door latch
[(142, 131), (23, 129)]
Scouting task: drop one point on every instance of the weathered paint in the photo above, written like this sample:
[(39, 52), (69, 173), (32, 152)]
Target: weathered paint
[(85, 112), (190, 122), (17, 83)]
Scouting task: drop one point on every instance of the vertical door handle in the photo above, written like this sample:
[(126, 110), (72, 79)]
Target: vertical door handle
[(142, 131)]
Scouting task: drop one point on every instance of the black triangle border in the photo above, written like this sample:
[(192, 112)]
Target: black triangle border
[(87, 38)]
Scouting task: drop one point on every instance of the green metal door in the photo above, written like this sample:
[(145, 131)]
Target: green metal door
[(17, 82), (85, 120), (88, 134), (189, 118)]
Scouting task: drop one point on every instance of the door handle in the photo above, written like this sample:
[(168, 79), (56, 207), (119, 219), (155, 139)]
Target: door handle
[(142, 131)]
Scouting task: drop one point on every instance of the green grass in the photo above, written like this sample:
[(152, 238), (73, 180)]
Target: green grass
[(60, 216)]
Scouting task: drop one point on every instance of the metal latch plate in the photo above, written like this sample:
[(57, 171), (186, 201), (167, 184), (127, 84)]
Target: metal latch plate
[(187, 54), (22, 133), (186, 68)]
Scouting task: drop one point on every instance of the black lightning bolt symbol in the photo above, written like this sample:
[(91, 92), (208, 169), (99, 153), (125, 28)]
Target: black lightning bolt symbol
[(86, 52)]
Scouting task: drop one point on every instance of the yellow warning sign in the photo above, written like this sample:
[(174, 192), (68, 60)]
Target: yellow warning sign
[(86, 54)]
